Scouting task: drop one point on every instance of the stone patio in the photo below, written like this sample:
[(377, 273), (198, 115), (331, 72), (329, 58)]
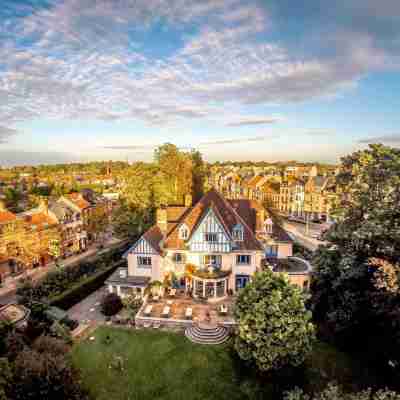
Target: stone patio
[(202, 311)]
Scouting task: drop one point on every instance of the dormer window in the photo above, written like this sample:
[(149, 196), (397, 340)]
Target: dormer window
[(269, 226), (237, 233), (183, 232)]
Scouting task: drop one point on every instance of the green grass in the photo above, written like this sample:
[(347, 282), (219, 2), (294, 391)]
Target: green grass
[(160, 365)]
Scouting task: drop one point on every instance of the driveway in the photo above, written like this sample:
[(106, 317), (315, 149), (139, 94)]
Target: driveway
[(89, 308)]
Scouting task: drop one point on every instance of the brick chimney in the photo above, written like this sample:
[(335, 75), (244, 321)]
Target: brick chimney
[(162, 219), (188, 200)]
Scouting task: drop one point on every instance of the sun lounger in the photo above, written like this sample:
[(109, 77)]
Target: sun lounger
[(146, 325), (165, 312), (189, 313), (223, 309), (147, 310)]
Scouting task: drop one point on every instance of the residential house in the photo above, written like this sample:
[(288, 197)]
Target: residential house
[(210, 250), (71, 211), (316, 203)]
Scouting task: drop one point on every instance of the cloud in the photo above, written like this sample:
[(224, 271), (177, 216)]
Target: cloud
[(6, 133), (254, 121), (238, 140), (80, 59), (129, 147), (12, 158), (393, 138)]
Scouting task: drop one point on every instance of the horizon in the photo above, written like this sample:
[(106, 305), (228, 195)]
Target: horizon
[(81, 80)]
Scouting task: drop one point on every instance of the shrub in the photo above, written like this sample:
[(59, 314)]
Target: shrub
[(111, 304)]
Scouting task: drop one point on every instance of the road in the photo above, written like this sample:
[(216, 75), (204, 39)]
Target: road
[(299, 233), (7, 292)]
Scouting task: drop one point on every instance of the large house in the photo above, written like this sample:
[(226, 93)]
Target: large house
[(210, 249)]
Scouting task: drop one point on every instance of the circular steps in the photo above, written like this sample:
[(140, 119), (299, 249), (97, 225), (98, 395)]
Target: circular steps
[(207, 334)]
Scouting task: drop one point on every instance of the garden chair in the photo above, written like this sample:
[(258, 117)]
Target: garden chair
[(172, 292), (165, 312), (148, 310), (223, 309), (189, 313)]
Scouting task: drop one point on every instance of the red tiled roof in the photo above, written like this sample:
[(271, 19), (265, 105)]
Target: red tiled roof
[(78, 200), (6, 217), (40, 219), (226, 214)]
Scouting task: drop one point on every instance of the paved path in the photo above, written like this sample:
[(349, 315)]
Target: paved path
[(7, 292), (88, 310)]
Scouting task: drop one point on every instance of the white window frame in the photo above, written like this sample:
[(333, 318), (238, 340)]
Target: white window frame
[(207, 236), (237, 233), (239, 259), (218, 257), (144, 261), (183, 232), (182, 258)]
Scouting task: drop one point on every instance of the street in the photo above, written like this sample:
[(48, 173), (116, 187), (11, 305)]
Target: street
[(299, 233), (7, 291)]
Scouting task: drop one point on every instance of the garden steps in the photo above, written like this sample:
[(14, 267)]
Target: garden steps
[(207, 334)]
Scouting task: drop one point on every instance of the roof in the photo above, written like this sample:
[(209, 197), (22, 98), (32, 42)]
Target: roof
[(227, 215), (78, 200), (154, 236), (127, 280), (290, 265), (6, 217), (38, 218)]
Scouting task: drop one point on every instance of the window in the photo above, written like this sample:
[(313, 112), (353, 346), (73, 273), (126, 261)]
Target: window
[(243, 259), (211, 237), (213, 259), (238, 233), (183, 232), (144, 261), (272, 250), (178, 258)]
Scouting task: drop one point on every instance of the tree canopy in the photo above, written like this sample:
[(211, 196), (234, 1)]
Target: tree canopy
[(274, 327), (355, 291)]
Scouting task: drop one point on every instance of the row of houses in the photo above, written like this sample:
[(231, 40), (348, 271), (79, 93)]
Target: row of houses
[(59, 228), (299, 191)]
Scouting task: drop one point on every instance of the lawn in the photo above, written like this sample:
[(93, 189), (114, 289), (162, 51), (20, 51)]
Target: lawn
[(160, 365)]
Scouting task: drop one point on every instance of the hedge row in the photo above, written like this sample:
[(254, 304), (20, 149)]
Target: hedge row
[(83, 288), (58, 282)]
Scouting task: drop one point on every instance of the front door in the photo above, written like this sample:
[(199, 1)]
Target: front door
[(241, 281)]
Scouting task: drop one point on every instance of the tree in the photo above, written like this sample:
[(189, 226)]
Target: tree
[(353, 296), (333, 392), (274, 327), (45, 372)]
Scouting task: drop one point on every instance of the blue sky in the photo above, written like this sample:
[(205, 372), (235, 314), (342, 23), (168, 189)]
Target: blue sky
[(257, 79)]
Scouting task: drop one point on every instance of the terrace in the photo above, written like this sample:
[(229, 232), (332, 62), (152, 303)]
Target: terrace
[(183, 310)]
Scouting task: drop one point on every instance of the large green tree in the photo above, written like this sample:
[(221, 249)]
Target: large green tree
[(274, 327), (353, 293)]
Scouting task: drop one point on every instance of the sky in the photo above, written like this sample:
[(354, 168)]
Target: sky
[(307, 80)]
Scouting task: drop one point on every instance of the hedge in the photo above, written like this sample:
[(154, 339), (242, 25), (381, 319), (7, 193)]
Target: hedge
[(83, 288), (79, 279)]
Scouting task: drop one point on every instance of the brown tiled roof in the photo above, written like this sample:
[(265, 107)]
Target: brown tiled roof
[(154, 236), (226, 214), (40, 219), (78, 200), (6, 217)]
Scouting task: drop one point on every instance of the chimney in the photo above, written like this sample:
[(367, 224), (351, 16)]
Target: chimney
[(44, 206), (260, 219), (2, 206), (161, 219), (188, 200)]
